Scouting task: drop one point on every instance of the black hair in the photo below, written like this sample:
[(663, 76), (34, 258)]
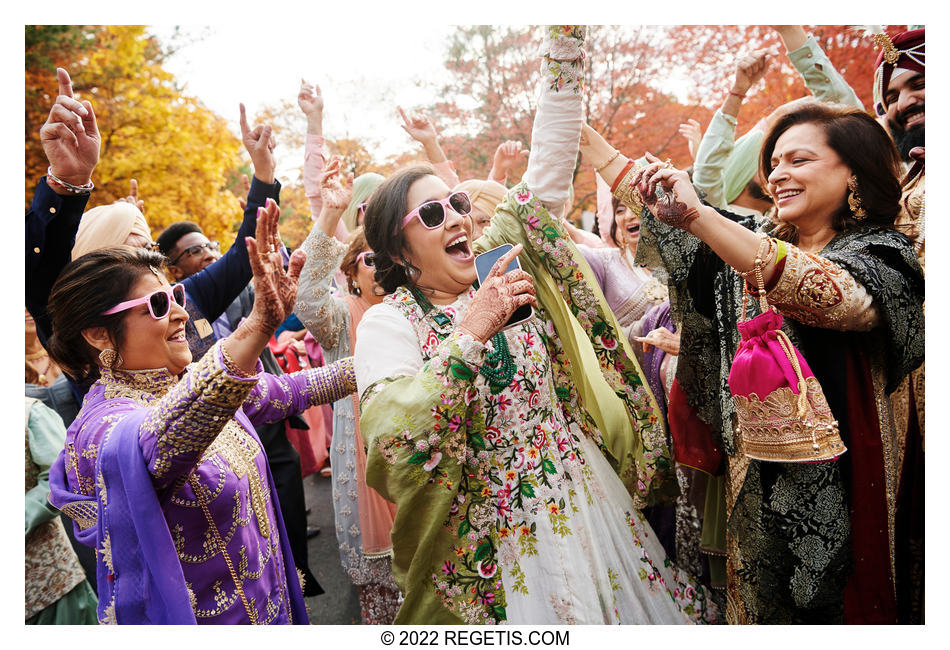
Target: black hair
[(170, 236), (87, 287), (382, 224)]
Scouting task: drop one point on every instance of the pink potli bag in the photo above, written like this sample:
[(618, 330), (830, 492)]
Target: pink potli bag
[(782, 411)]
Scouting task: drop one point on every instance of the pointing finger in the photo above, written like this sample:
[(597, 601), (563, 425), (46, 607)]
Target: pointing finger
[(65, 83), (244, 126)]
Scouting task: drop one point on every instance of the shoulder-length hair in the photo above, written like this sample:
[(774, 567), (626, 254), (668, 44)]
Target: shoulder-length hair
[(384, 232), (863, 145)]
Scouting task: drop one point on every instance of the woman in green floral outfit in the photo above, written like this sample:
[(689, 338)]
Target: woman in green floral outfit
[(517, 468)]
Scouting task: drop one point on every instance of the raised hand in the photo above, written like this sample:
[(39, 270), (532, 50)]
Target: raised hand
[(133, 196), (309, 99), (499, 296), (750, 69), (275, 290), (335, 189), (691, 130), (70, 135), (506, 156), (260, 144), (661, 338), (679, 205), (418, 127)]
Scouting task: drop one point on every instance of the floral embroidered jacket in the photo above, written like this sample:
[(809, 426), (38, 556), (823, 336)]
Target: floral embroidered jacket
[(457, 458), (167, 479)]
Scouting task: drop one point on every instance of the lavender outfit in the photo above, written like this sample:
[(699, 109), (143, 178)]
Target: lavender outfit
[(167, 479), (629, 290)]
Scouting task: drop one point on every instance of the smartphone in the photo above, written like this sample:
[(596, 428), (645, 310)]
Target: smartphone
[(484, 264)]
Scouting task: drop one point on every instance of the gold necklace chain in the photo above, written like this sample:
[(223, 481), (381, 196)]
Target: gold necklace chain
[(33, 356), (238, 583)]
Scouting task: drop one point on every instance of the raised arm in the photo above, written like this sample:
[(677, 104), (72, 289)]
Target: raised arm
[(507, 156), (783, 266), (216, 286), (820, 76), (719, 140), (70, 138), (422, 130), (325, 315), (559, 118), (310, 101)]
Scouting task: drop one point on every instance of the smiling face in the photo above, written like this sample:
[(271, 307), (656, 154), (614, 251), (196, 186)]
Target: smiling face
[(442, 254), (904, 102), (188, 264), (151, 343), (808, 179), (628, 227)]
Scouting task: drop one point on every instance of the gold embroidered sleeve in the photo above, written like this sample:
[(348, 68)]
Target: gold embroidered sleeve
[(816, 291), (322, 313), (626, 193), (181, 425)]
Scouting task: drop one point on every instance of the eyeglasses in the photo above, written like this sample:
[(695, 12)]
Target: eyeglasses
[(432, 213), (195, 250), (368, 258), (159, 302)]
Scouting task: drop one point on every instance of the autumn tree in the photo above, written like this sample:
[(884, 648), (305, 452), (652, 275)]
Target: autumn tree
[(643, 81), (182, 154)]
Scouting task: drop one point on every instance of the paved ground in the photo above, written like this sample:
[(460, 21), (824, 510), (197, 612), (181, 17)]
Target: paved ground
[(339, 605)]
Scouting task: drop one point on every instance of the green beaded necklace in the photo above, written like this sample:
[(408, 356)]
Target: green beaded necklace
[(499, 368)]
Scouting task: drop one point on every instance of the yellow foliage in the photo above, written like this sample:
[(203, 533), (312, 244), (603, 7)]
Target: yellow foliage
[(181, 153)]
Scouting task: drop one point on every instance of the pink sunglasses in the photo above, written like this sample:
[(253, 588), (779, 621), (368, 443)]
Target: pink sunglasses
[(432, 213), (368, 259), (159, 302)]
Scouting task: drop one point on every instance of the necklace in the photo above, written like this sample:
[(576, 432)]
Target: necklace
[(499, 368), (33, 356)]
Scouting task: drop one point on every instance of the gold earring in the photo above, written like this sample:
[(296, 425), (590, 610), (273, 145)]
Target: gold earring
[(854, 200), (110, 358)]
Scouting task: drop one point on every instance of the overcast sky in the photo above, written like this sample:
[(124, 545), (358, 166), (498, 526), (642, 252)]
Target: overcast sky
[(363, 71)]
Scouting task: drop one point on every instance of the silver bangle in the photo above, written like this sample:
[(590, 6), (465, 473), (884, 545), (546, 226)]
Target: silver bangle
[(75, 189)]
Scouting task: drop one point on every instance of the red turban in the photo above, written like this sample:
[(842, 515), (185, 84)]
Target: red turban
[(905, 51)]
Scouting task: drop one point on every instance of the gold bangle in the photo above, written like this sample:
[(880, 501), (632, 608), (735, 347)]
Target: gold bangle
[(609, 160), (765, 247), (232, 367)]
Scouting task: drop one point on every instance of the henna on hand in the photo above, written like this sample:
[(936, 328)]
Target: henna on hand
[(674, 213), (494, 303)]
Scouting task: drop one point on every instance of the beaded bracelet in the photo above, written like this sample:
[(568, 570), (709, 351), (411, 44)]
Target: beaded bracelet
[(74, 189), (609, 160)]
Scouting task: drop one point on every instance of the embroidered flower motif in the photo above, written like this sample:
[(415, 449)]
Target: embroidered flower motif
[(433, 461), (448, 568), (534, 399), (486, 570), (523, 197)]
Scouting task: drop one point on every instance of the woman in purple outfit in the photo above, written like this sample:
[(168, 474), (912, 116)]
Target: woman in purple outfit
[(162, 470)]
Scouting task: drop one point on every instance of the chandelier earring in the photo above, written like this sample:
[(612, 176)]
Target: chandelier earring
[(854, 200)]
